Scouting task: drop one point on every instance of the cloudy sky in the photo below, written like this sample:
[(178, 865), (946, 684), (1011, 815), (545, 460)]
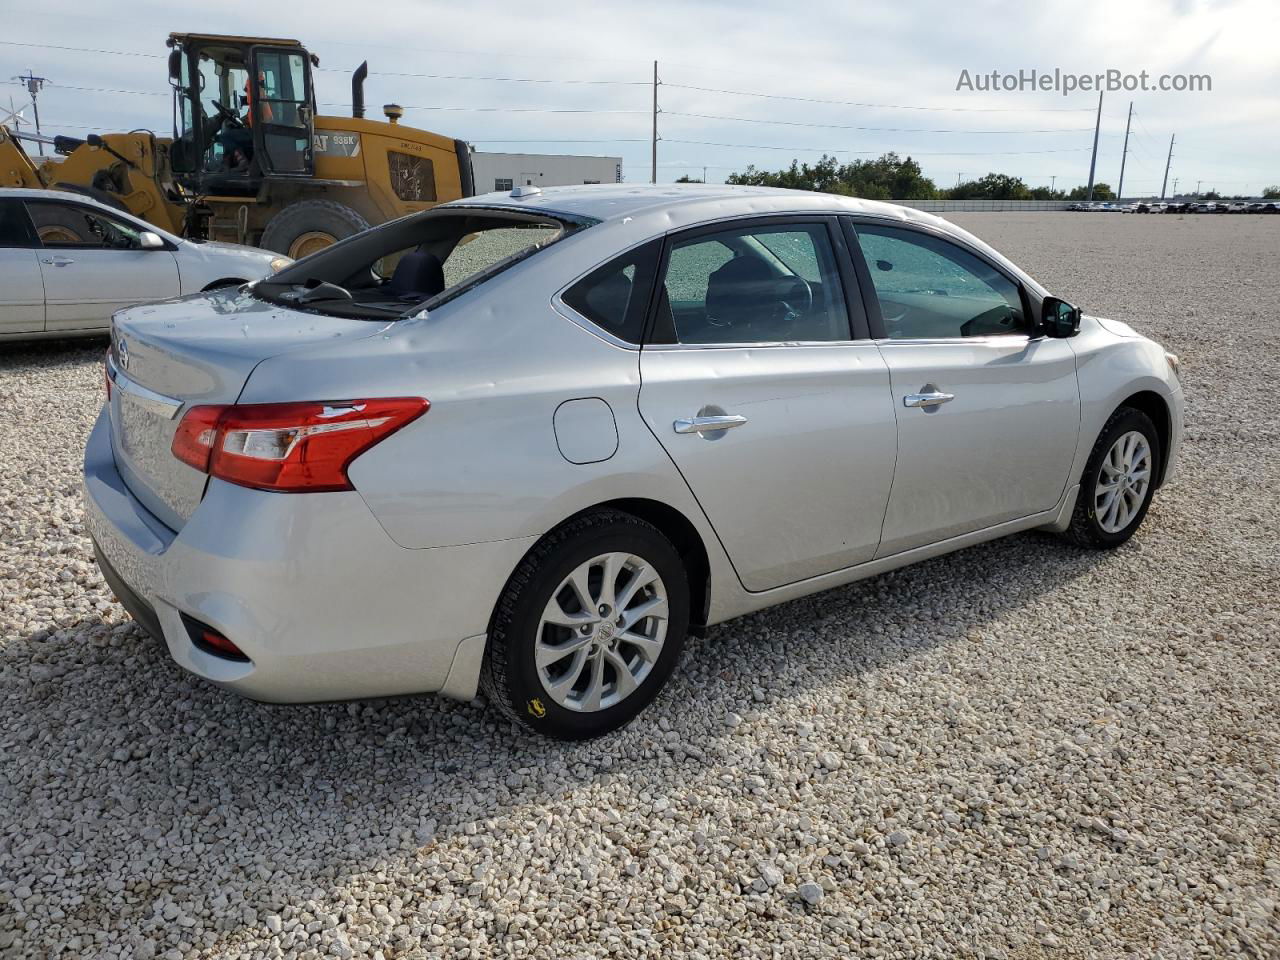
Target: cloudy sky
[(742, 82)]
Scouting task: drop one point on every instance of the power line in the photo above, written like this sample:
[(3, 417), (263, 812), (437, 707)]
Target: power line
[(135, 93), (508, 109), (488, 54), (447, 76), (912, 153), (681, 86), (878, 106), (670, 113), (614, 140), (53, 46), (372, 73), (840, 126)]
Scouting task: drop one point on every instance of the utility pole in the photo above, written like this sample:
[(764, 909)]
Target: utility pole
[(1166, 169), (653, 175), (1175, 187), (1053, 180), (1198, 182), (1093, 162), (1124, 154), (704, 173), (34, 85)]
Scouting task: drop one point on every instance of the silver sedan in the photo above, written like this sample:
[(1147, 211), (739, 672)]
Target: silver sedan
[(67, 262), (529, 441)]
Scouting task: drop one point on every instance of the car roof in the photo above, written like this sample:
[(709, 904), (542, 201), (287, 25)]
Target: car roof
[(36, 193), (629, 213), (614, 201)]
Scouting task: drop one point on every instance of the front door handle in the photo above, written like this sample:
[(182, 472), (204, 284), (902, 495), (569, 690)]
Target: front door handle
[(708, 424), (57, 261), (931, 399)]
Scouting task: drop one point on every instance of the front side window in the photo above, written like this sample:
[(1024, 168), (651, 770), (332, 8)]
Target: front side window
[(615, 297), (762, 284), (68, 225), (929, 288)]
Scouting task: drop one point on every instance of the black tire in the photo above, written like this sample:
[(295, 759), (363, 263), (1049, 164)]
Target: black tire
[(510, 677), (311, 217), (1086, 529), (62, 225)]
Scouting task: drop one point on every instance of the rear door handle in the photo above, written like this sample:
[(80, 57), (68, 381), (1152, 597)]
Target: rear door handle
[(926, 399), (57, 261), (708, 424)]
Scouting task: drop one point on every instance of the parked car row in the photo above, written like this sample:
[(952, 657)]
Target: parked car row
[(68, 262), (1160, 206)]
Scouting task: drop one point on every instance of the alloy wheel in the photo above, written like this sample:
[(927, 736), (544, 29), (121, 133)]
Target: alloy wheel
[(1123, 481), (602, 632)]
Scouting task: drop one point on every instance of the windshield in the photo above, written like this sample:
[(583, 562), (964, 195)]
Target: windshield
[(425, 259)]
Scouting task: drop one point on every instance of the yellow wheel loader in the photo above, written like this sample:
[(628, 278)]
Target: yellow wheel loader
[(249, 160)]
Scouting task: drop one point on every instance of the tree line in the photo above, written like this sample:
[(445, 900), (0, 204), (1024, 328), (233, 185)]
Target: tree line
[(892, 177)]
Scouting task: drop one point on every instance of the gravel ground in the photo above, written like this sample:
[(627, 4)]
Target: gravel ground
[(1019, 751)]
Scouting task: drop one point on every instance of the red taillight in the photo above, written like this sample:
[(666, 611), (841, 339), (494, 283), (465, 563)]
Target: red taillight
[(195, 436), (289, 447)]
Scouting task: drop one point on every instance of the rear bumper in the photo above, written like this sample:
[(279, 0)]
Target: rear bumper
[(325, 605)]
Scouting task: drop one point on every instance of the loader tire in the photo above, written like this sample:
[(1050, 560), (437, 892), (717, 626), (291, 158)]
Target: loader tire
[(62, 226), (307, 226)]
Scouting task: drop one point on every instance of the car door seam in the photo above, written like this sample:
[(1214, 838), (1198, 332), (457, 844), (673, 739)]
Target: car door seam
[(688, 486), (897, 444)]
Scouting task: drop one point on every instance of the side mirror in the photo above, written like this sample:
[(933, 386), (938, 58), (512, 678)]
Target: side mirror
[(175, 64), (1059, 319), (150, 241)]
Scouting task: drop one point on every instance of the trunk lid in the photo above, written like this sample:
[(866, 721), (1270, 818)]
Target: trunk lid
[(170, 356)]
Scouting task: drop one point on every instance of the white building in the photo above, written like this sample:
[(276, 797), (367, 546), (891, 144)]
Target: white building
[(502, 171)]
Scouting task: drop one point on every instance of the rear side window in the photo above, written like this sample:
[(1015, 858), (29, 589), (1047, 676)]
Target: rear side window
[(615, 297), (762, 284)]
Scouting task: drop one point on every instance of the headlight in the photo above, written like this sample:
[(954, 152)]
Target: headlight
[(1172, 360), (279, 263)]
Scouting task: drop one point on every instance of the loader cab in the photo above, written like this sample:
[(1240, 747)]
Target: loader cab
[(244, 112)]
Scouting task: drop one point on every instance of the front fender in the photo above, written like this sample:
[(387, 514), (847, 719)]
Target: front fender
[(1111, 369)]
